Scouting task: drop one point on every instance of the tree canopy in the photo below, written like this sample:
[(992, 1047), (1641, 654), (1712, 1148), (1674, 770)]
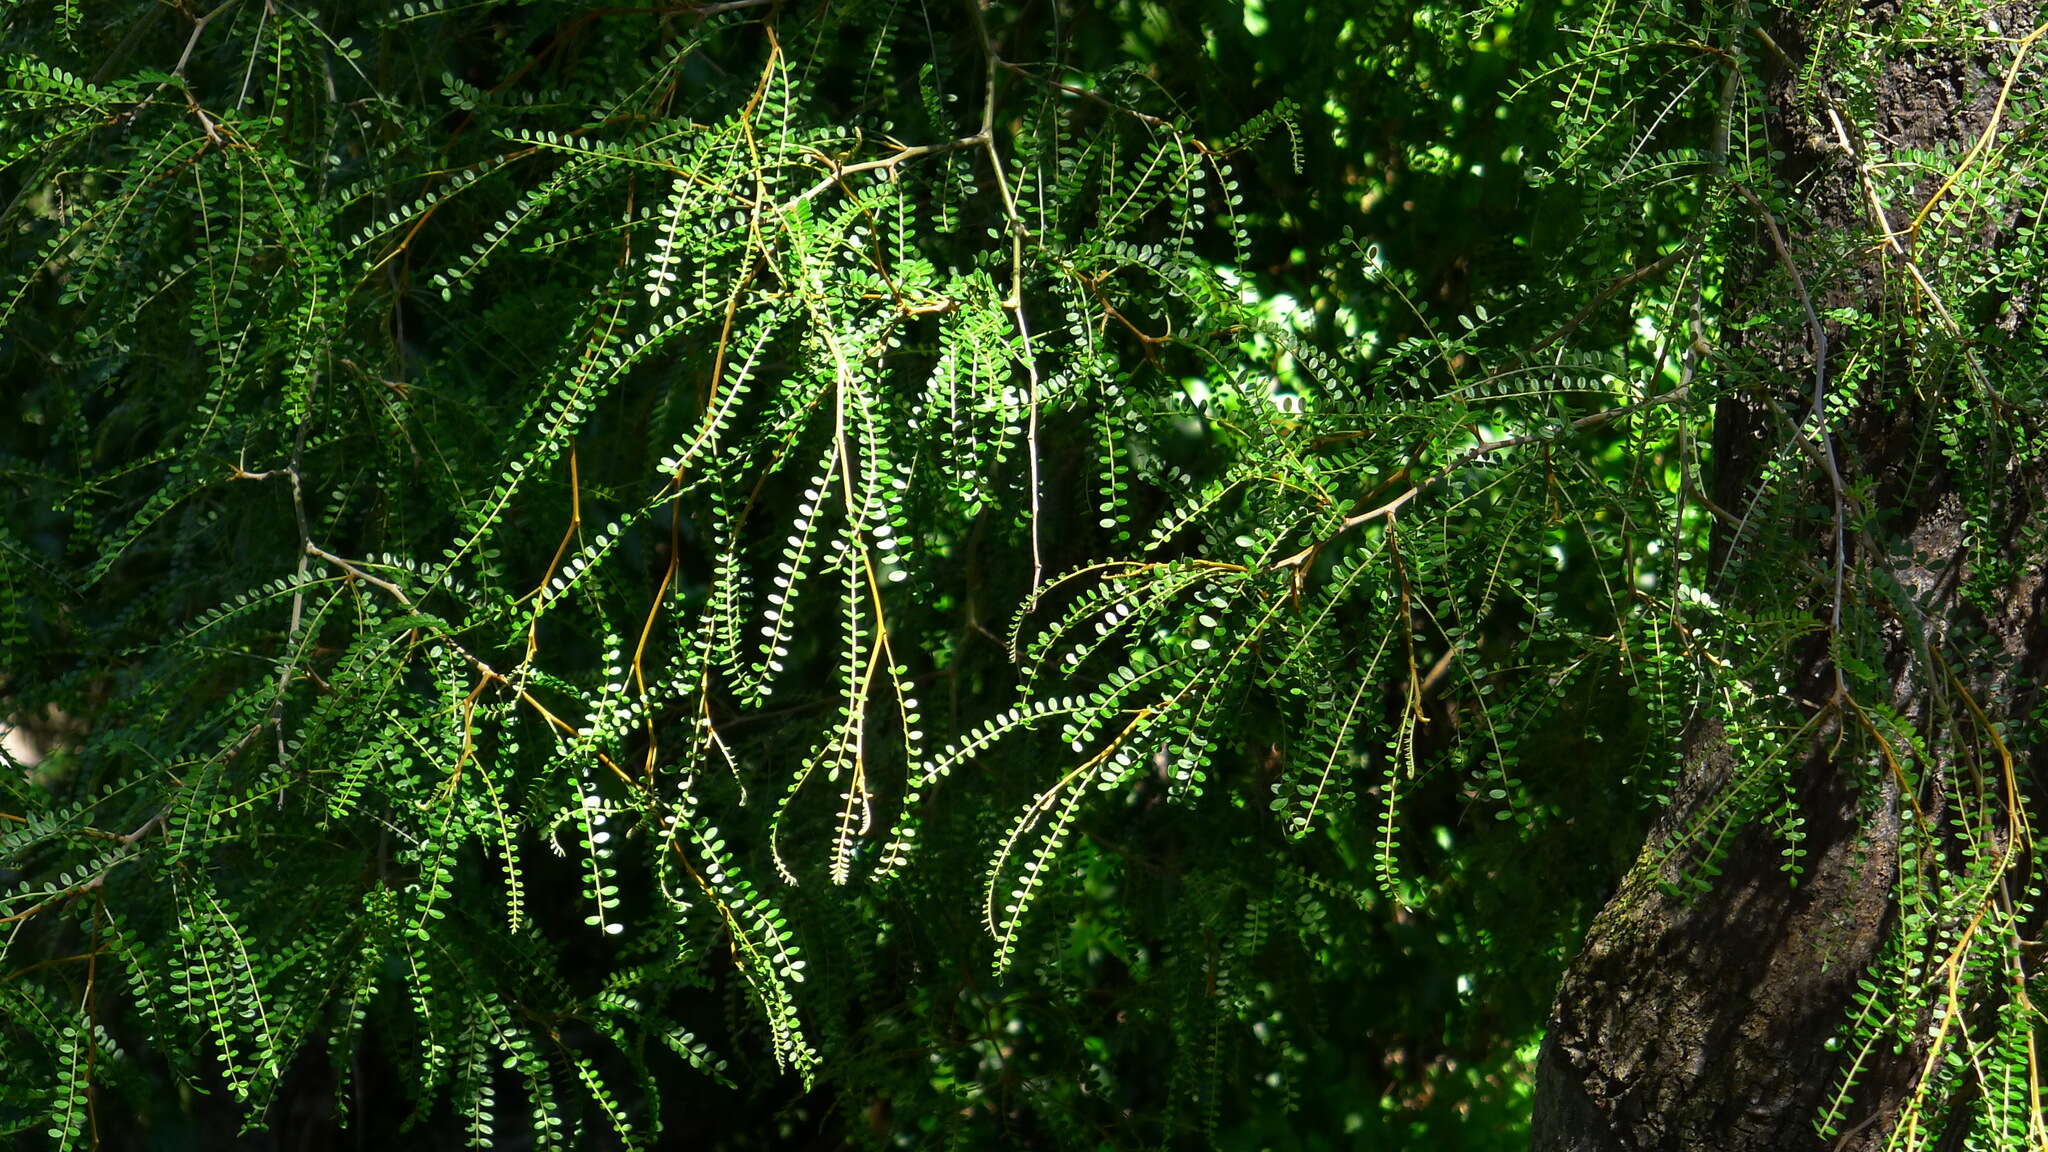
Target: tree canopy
[(1077, 573)]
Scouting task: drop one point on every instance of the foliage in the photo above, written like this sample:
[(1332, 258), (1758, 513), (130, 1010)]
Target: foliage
[(748, 570)]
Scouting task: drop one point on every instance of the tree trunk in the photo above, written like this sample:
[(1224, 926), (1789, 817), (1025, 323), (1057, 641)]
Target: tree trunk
[(1707, 1020)]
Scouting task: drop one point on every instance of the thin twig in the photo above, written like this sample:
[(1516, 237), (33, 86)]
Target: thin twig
[(1849, 142), (706, 11), (1899, 252), (284, 671), (198, 28), (837, 171), (199, 24), (1097, 97), (1608, 293), (1593, 420), (1984, 139), (143, 829), (1818, 416), (355, 570), (1015, 303), (472, 659), (249, 73)]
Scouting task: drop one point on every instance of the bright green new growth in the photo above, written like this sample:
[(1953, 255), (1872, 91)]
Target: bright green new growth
[(793, 505)]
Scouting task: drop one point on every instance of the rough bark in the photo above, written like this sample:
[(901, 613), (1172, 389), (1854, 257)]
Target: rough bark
[(1704, 1023)]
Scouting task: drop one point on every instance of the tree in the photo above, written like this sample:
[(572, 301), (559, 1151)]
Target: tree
[(1717, 1017), (1069, 574)]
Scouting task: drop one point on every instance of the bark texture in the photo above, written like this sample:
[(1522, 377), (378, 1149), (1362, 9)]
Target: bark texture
[(1704, 1023)]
